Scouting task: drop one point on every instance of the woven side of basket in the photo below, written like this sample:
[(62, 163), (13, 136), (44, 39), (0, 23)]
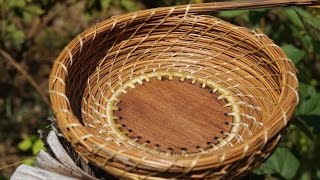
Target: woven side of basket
[(245, 67)]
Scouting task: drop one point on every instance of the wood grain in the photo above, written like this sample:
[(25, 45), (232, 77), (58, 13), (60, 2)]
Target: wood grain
[(173, 115)]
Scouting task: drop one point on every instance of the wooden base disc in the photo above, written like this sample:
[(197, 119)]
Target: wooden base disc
[(173, 115)]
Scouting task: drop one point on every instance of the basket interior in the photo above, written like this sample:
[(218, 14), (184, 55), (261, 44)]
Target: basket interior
[(173, 116)]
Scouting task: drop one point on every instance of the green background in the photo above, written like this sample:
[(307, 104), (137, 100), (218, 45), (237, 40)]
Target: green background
[(33, 32)]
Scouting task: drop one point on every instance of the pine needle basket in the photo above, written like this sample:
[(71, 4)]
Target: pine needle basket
[(248, 79)]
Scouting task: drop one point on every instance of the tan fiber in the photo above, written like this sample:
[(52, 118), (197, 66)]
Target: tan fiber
[(245, 68)]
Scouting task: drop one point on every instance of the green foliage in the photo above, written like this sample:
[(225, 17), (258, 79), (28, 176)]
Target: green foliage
[(293, 17), (93, 5), (282, 163), (233, 13), (14, 35), (18, 13), (105, 4), (311, 23), (129, 5), (26, 144), (37, 146), (29, 161), (295, 54), (2, 177), (308, 110), (296, 30), (310, 104), (31, 143)]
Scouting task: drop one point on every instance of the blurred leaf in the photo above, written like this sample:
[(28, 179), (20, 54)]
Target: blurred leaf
[(318, 173), (293, 53), (197, 1), (29, 161), (18, 36), (310, 106), (25, 145), (37, 146), (305, 176), (33, 9), (307, 42), (294, 18), (2, 177), (129, 5), (105, 4), (282, 163), (301, 124), (232, 13), (27, 17), (15, 35), (311, 23), (262, 10), (16, 3), (30, 11), (310, 101)]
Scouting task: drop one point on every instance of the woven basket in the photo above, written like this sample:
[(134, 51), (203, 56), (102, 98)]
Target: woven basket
[(102, 82)]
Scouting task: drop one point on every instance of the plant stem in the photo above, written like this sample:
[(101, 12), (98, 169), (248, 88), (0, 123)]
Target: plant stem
[(15, 64)]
